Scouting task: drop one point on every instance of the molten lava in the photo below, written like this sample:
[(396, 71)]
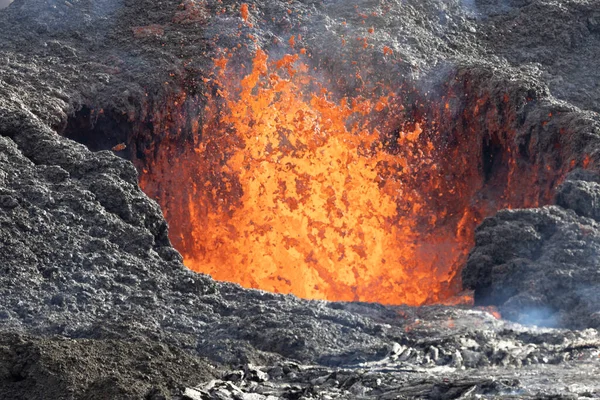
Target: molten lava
[(289, 190)]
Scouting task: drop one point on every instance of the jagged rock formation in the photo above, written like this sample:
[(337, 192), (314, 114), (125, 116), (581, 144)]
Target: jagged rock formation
[(87, 268), (541, 265)]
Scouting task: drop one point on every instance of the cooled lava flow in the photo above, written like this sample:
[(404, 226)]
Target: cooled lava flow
[(291, 188)]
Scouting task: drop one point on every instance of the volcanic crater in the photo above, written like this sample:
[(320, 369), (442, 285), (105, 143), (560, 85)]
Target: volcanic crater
[(421, 174), (273, 181)]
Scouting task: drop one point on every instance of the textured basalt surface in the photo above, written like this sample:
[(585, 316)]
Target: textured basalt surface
[(540, 265), (88, 276)]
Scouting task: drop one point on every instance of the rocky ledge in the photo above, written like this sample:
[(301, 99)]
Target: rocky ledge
[(95, 303)]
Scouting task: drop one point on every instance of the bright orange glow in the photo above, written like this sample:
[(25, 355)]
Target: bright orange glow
[(293, 192), (292, 189), (586, 161), (493, 311), (244, 12)]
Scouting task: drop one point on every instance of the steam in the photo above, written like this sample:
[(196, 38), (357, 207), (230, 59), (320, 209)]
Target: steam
[(470, 4), (529, 309), (538, 316), (487, 8)]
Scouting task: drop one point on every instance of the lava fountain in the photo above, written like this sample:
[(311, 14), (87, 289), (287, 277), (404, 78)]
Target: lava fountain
[(281, 172), (276, 178), (292, 189)]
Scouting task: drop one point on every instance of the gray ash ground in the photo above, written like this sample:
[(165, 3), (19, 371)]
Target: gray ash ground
[(96, 304)]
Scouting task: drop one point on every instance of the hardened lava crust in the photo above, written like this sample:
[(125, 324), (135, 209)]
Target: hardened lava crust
[(95, 302)]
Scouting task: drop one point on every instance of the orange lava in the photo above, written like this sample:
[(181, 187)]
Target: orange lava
[(291, 191), (493, 311), (119, 147), (244, 12)]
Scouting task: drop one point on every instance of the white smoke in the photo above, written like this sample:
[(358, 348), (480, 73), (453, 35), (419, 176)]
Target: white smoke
[(490, 7)]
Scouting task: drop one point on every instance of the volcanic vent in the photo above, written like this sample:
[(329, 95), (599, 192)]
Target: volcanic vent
[(276, 178)]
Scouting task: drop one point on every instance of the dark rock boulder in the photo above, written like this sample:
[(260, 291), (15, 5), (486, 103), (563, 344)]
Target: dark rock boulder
[(542, 266), (581, 193)]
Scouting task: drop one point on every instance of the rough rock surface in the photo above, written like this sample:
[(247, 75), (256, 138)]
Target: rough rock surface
[(541, 265), (55, 368), (95, 303)]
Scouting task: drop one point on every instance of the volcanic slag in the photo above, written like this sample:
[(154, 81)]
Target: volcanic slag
[(386, 131)]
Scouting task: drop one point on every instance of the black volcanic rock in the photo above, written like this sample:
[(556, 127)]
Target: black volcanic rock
[(581, 193), (32, 368), (541, 265), (87, 274)]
